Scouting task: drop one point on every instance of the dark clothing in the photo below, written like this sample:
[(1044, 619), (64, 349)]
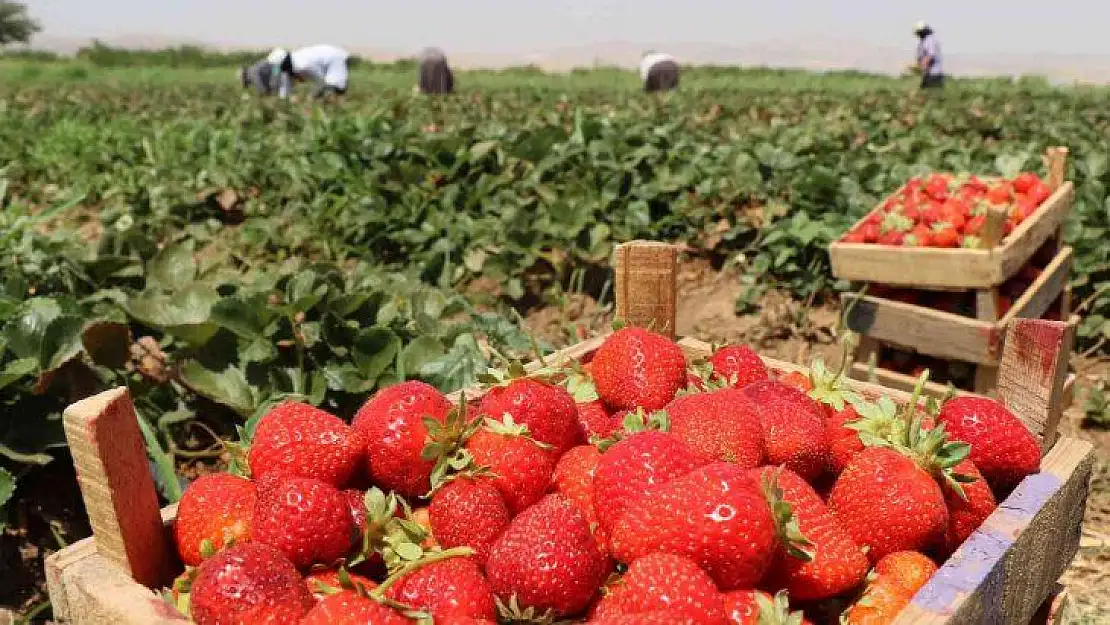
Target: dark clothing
[(663, 76), (435, 74), (929, 81), (262, 77)]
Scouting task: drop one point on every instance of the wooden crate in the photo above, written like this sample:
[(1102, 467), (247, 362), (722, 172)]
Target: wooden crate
[(925, 267), (1002, 574)]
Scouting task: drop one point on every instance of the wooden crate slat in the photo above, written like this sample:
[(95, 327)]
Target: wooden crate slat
[(1003, 572), (922, 329), (1045, 290), (1034, 372)]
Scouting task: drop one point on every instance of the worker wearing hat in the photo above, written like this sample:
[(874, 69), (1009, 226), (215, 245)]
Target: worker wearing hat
[(928, 56), (325, 65)]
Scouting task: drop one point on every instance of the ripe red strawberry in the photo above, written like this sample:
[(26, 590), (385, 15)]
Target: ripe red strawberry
[(1002, 448), (739, 365), (666, 582), (893, 237), (793, 427), (1039, 192), (574, 478), (452, 587), (871, 232), (596, 420), (936, 186), (272, 614), (548, 559), (632, 467), (240, 578), (357, 507), (945, 235), (521, 468), (392, 424), (716, 516), (897, 578), (1025, 181), (547, 410), (719, 425), (837, 565), (638, 368), (217, 508), (655, 617), (999, 194), (351, 608), (322, 583), (307, 520), (298, 439), (469, 512), (741, 606), (844, 442), (888, 503), (967, 513)]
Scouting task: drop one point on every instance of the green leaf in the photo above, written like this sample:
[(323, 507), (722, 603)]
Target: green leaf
[(247, 319), (28, 326), (7, 486), (17, 369), (374, 350), (1010, 165), (185, 313), (228, 387), (61, 342), (419, 353), (458, 368), (480, 150), (173, 268)]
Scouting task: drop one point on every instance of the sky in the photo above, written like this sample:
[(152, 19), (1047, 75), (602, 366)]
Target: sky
[(977, 27)]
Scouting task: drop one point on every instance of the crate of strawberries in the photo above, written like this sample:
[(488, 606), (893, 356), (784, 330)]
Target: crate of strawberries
[(956, 231), (643, 481)]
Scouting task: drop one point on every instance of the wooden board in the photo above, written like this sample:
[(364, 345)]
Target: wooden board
[(947, 335), (926, 267), (894, 380)]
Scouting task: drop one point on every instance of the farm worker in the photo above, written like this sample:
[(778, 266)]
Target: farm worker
[(435, 74), (325, 65), (261, 76), (659, 71), (928, 56)]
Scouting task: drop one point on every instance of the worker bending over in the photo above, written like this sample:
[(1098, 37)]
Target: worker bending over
[(659, 72), (325, 65)]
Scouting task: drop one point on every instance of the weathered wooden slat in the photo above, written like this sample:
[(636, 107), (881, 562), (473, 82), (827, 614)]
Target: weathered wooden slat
[(1006, 569), (1045, 290), (922, 329), (117, 487), (646, 285), (1035, 370)]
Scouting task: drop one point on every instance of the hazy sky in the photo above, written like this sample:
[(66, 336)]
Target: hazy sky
[(500, 26)]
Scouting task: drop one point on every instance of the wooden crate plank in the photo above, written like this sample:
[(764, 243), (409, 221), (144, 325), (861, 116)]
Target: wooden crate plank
[(1007, 568), (1045, 290), (922, 329), (646, 286), (914, 266), (97, 592), (117, 487), (1034, 371)]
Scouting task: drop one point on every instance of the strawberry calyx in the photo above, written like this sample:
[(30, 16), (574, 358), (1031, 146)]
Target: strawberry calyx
[(412, 557), (178, 594), (460, 465), (238, 451), (445, 440), (578, 382), (895, 222), (512, 612), (385, 529), (827, 385), (776, 611), (634, 422), (508, 427), (790, 536), (317, 586)]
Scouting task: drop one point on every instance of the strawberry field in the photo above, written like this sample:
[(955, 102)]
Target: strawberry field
[(219, 255)]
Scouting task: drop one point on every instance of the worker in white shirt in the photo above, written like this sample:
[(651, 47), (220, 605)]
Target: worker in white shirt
[(928, 56), (435, 75), (659, 72), (325, 65)]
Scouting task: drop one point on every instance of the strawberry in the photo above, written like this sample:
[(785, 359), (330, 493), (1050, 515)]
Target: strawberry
[(324, 582), (1024, 181), (739, 365), (719, 425), (574, 478), (716, 516), (638, 368), (469, 512), (1002, 448), (966, 513), (452, 587), (844, 442), (393, 426), (798, 380), (889, 503), (240, 578), (631, 467), (870, 232), (945, 235), (548, 411), (521, 468), (936, 186), (596, 420), (894, 237), (655, 617), (272, 614), (301, 440), (307, 520), (742, 608), (547, 559), (897, 578), (354, 499), (999, 194), (1039, 192), (793, 427), (975, 225), (666, 582), (837, 565), (215, 510), (351, 608)]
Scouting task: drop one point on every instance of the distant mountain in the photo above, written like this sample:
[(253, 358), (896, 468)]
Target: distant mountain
[(815, 54)]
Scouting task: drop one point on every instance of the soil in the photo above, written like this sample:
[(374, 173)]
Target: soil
[(48, 513)]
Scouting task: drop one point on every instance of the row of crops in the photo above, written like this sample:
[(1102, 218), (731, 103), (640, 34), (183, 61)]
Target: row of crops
[(217, 254)]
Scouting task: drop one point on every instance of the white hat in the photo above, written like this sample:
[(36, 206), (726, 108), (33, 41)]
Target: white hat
[(277, 55), (920, 26)]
